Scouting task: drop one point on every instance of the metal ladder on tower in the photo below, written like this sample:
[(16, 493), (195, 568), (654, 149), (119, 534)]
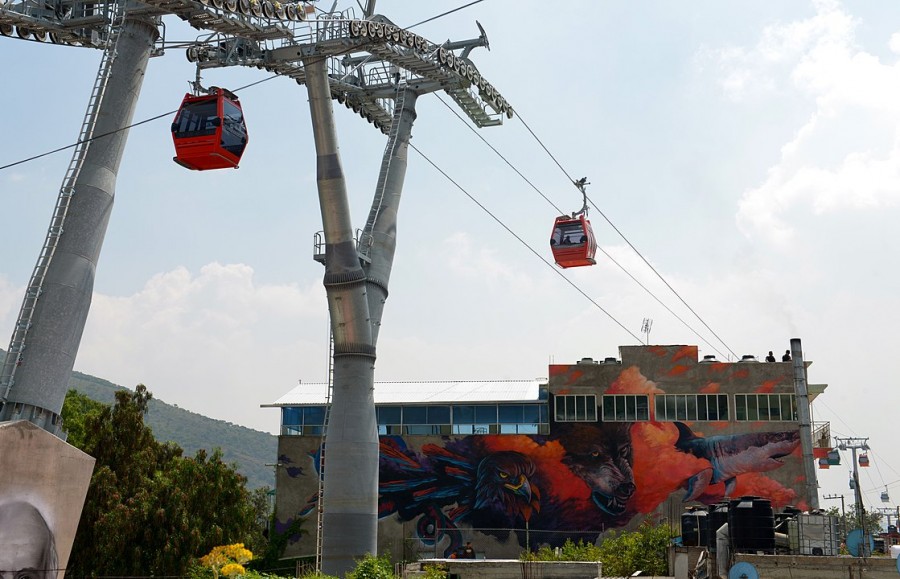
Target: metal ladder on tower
[(366, 240), (15, 354), (320, 499)]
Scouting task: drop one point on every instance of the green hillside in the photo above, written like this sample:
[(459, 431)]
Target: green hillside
[(249, 449)]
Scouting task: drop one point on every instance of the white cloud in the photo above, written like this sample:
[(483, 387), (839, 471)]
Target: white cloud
[(216, 343), (758, 71), (845, 156), (894, 43)]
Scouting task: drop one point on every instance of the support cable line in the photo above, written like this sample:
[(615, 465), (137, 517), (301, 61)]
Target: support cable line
[(522, 241), (555, 160), (108, 133), (552, 204), (444, 14), (77, 143), (35, 157), (616, 229)]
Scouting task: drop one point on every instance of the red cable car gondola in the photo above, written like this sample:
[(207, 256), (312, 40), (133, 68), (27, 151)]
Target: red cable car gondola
[(209, 131), (572, 240)]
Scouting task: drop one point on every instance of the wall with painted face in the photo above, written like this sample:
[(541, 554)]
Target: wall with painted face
[(43, 483)]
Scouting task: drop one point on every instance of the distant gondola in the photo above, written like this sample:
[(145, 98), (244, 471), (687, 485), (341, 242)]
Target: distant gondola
[(209, 131), (572, 241)]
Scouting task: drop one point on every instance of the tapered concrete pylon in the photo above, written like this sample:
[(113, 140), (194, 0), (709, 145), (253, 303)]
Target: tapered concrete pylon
[(356, 299), (41, 377)]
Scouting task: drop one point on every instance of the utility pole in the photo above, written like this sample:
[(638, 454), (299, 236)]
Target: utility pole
[(843, 513), (855, 444)]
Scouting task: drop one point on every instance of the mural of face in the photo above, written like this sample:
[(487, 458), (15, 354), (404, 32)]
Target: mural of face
[(600, 454), (27, 549)]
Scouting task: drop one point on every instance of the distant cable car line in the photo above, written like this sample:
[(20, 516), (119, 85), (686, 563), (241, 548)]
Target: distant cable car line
[(522, 241), (187, 43), (100, 136), (659, 275), (517, 237), (603, 251)]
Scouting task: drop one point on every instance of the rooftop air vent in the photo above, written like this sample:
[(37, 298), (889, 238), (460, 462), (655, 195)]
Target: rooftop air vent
[(708, 359), (749, 358), (610, 360), (587, 361)]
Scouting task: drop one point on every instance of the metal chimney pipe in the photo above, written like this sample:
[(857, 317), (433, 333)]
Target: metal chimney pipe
[(803, 415)]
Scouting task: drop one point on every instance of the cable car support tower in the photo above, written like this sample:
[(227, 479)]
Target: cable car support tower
[(364, 62)]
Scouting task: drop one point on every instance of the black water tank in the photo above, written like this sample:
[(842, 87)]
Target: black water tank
[(695, 527), (718, 516), (751, 525)]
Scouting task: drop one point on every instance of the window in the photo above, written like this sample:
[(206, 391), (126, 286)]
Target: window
[(765, 407), (298, 420), (432, 419), (438, 415), (626, 407), (575, 408), (691, 406), (415, 415), (388, 414), (509, 413)]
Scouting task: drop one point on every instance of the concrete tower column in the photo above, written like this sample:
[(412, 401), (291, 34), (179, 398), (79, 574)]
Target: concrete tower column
[(350, 515), (42, 377)]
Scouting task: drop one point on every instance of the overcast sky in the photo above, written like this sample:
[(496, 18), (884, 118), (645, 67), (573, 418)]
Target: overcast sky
[(748, 150)]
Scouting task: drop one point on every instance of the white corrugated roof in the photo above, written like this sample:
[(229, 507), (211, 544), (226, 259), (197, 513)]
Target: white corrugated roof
[(425, 392)]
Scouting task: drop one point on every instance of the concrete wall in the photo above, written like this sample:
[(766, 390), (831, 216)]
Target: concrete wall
[(43, 483), (783, 567), (508, 569)]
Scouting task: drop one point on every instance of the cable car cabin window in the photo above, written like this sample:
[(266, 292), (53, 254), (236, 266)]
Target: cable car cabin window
[(196, 120), (234, 133), (571, 233)]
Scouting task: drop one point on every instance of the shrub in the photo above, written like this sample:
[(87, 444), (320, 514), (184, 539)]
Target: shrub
[(373, 567), (435, 571)]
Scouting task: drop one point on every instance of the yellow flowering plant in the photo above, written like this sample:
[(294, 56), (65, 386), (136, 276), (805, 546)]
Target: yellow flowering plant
[(227, 560)]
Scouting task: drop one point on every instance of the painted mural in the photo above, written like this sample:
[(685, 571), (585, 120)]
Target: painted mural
[(584, 478), (546, 489)]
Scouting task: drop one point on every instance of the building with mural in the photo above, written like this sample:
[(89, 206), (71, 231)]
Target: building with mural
[(597, 446)]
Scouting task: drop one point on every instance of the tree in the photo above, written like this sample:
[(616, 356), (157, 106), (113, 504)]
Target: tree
[(76, 409), (645, 549), (852, 520), (149, 510)]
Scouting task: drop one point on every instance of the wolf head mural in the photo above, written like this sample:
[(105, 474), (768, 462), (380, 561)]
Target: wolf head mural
[(601, 455)]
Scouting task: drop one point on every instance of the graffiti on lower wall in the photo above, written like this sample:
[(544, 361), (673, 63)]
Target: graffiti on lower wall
[(577, 483), (585, 479)]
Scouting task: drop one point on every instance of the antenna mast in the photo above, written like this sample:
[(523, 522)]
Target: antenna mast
[(645, 329)]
